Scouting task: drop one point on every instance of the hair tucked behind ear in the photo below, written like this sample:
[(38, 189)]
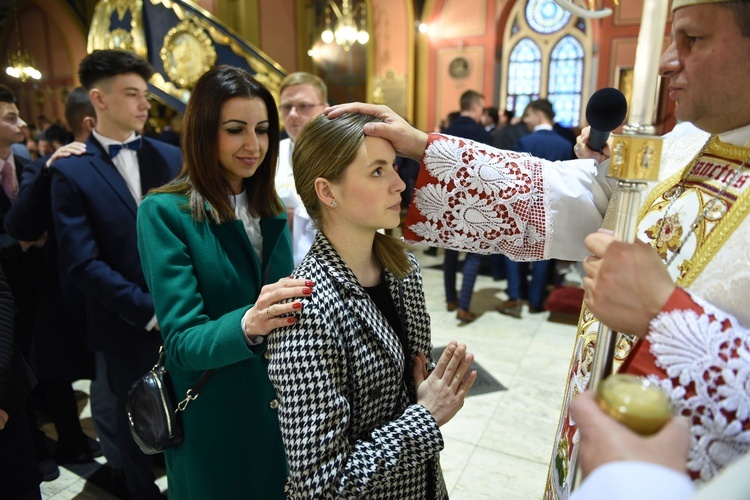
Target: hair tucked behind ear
[(325, 148)]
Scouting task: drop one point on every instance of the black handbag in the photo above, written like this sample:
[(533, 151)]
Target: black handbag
[(153, 410)]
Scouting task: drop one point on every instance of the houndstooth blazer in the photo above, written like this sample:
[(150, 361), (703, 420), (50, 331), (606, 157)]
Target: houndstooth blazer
[(348, 421)]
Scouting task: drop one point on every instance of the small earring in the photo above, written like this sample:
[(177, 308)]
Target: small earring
[(334, 204)]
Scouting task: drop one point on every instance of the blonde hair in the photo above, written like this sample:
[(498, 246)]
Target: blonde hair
[(325, 148), (302, 78)]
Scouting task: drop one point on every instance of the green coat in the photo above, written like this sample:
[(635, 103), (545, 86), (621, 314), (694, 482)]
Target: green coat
[(203, 277)]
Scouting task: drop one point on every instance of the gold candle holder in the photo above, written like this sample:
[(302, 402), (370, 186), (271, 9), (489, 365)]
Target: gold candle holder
[(635, 402)]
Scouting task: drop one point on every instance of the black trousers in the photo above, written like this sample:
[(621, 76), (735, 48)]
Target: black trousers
[(122, 370), (19, 470)]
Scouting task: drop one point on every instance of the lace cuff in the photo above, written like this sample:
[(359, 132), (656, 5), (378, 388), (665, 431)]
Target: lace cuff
[(705, 354), (475, 198)]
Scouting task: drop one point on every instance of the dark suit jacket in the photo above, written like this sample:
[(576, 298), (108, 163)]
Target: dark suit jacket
[(546, 144), (59, 319), (467, 128), (19, 472), (23, 270), (507, 137), (8, 244), (95, 220)]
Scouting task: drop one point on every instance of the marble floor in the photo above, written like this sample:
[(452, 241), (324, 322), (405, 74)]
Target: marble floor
[(499, 444)]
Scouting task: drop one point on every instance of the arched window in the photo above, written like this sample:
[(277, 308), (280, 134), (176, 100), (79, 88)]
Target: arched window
[(547, 48), (524, 74), (566, 80)]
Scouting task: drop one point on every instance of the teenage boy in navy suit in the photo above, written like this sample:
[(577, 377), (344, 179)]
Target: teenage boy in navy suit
[(95, 197)]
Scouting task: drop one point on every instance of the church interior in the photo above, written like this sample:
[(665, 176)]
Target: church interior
[(416, 57)]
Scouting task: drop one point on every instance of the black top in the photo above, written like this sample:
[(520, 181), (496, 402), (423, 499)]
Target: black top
[(384, 302)]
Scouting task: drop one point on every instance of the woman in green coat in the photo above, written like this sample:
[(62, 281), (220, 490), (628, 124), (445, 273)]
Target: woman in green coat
[(216, 254)]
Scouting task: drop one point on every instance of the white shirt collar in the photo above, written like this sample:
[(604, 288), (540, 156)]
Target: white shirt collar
[(106, 141), (543, 126)]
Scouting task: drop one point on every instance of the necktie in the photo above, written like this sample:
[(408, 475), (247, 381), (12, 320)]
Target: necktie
[(9, 185), (134, 145)]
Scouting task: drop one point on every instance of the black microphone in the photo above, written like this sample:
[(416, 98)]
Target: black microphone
[(605, 112)]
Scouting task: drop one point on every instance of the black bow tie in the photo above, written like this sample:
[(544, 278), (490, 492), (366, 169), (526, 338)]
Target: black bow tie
[(134, 145)]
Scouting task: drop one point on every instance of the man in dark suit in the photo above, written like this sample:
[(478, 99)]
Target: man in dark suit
[(507, 136), (12, 255), (19, 474), (95, 197), (545, 143), (466, 126), (59, 354)]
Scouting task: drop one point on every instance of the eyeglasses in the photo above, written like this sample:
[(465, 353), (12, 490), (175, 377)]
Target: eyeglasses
[(302, 108)]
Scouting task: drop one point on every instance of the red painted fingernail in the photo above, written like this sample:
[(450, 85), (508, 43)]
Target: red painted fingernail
[(309, 283), (297, 305), (290, 321), (306, 291)]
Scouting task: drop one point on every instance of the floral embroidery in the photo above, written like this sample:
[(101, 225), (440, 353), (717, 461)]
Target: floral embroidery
[(460, 209), (669, 237), (709, 381)]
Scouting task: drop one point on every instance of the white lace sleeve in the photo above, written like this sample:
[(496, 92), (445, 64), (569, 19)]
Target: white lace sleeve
[(706, 356), (472, 197)]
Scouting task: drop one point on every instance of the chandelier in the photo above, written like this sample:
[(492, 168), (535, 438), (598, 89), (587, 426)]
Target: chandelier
[(350, 24), (21, 64)]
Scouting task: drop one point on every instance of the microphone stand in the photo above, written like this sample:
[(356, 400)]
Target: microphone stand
[(636, 154)]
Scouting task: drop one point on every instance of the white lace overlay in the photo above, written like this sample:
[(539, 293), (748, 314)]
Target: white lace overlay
[(708, 365), (462, 209)]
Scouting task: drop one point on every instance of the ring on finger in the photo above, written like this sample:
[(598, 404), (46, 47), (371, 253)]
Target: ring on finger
[(268, 311), (457, 378)]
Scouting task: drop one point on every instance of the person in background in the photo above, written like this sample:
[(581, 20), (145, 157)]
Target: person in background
[(545, 143), (20, 148), (59, 355), (490, 119), (171, 132), (56, 136), (216, 255), (507, 136), (467, 126), (303, 96), (362, 419), (19, 473)]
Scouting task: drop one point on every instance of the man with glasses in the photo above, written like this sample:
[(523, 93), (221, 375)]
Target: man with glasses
[(303, 97)]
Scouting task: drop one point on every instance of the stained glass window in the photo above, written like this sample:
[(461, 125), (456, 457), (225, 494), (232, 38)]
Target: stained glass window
[(524, 75), (546, 57), (566, 80), (545, 16)]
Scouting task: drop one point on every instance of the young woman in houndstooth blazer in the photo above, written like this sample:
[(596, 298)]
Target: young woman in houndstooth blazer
[(359, 412)]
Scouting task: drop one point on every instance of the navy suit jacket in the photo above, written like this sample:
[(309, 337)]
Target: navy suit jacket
[(546, 144), (9, 246), (95, 220), (59, 317), (467, 128), (31, 213)]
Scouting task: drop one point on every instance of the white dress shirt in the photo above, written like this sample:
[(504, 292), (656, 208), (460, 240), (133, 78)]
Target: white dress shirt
[(126, 162), (252, 228)]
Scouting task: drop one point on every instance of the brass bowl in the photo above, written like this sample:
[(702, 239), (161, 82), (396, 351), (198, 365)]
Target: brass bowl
[(635, 402)]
